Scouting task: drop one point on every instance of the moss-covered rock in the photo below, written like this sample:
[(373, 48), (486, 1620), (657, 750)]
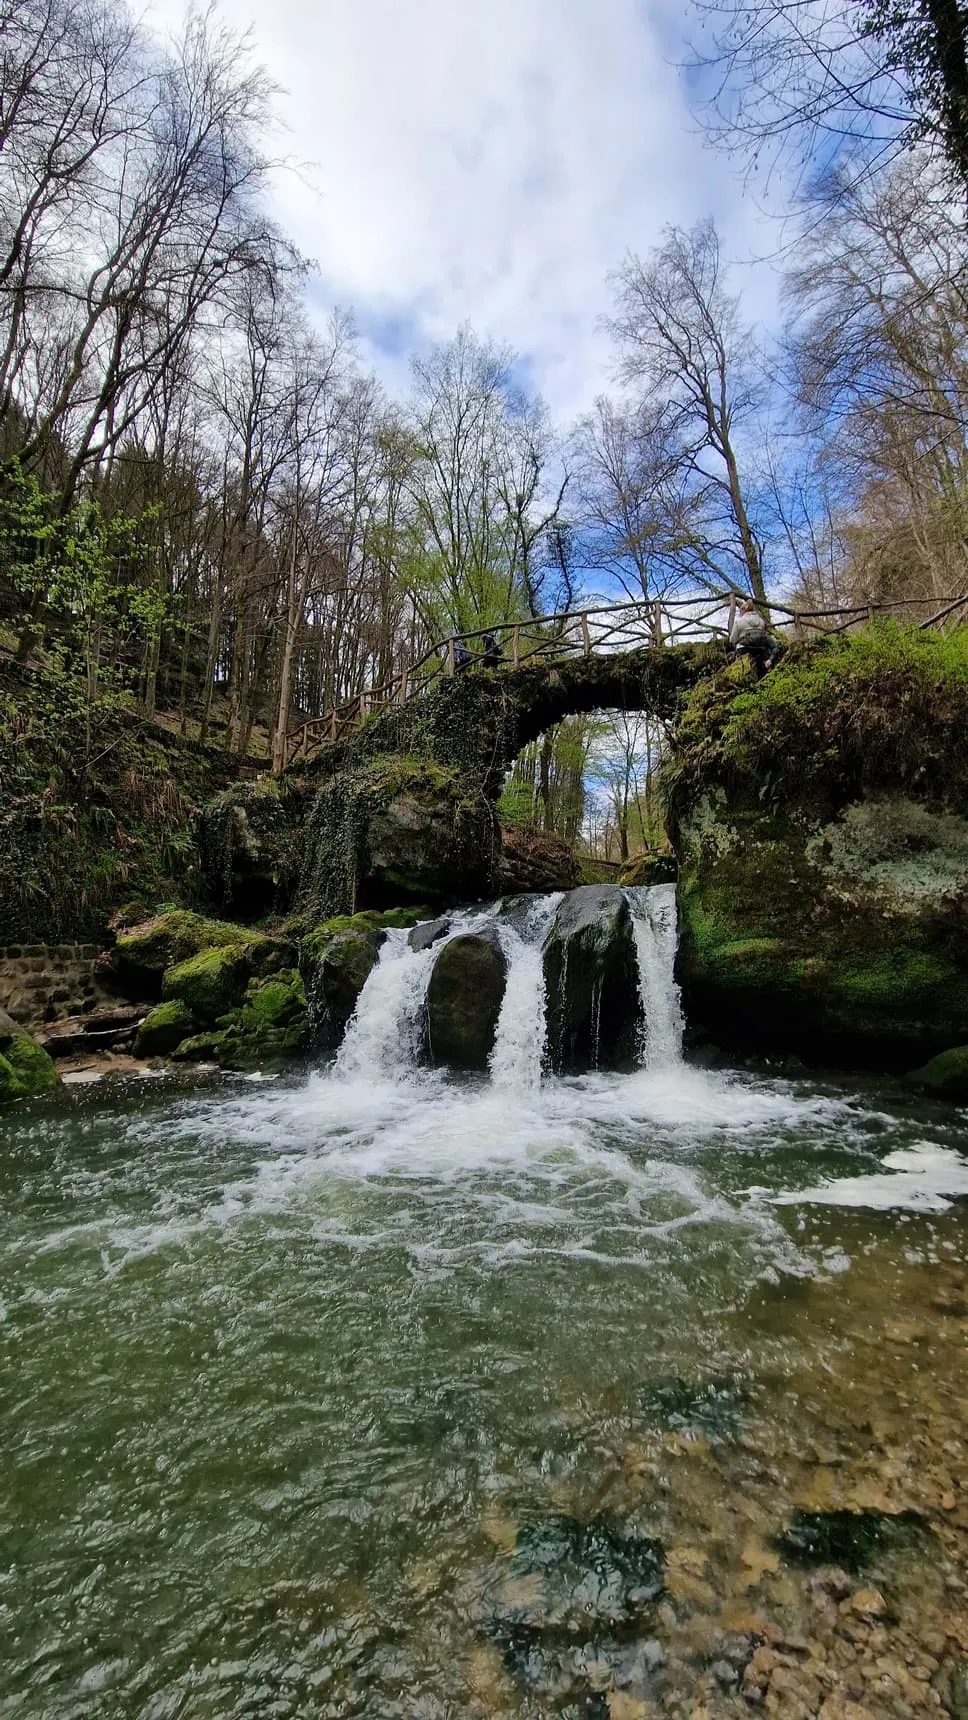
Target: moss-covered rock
[(336, 958), (656, 866), (164, 1029), (26, 1069), (250, 840), (821, 826), (142, 953), (944, 1077), (591, 981), (274, 1003), (397, 830), (201, 1048), (464, 1000), (210, 984)]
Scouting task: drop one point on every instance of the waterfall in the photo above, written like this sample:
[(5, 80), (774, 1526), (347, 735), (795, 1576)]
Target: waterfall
[(522, 1029), (655, 926), (383, 1037)]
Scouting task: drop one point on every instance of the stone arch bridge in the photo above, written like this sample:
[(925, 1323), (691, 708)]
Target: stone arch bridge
[(404, 808)]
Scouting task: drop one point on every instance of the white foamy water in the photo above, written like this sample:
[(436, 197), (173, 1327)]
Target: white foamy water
[(522, 1029), (924, 1177), (655, 926), (383, 1036)]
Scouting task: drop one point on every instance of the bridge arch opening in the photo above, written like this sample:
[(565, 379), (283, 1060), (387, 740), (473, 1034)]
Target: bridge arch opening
[(591, 783)]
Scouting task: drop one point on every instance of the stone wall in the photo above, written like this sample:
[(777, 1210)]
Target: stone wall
[(46, 982)]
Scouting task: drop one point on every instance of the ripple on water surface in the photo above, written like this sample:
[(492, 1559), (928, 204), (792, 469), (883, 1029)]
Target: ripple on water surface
[(289, 1366)]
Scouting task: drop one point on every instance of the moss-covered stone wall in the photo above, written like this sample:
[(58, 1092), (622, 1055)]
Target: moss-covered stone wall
[(821, 824)]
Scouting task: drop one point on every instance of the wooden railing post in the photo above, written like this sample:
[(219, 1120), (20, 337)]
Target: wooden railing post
[(657, 623), (516, 645), (450, 664), (731, 617), (586, 635), (402, 694), (332, 724)]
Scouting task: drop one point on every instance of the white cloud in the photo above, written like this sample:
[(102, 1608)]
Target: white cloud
[(488, 161)]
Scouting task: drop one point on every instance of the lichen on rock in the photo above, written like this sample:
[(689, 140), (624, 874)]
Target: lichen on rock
[(821, 827)]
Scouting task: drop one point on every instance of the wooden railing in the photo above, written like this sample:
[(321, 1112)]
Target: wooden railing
[(581, 632)]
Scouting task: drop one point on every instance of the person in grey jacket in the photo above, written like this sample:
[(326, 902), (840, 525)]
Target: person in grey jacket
[(750, 637)]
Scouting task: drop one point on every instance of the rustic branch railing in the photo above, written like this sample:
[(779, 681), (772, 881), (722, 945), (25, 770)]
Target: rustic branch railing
[(580, 632)]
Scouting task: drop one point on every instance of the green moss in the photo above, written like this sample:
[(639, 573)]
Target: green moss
[(210, 983), (142, 953), (275, 1002), (946, 1076), (201, 1048), (26, 1070), (882, 710), (164, 1029)]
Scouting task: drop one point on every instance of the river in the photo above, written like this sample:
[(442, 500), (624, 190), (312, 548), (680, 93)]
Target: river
[(386, 1393)]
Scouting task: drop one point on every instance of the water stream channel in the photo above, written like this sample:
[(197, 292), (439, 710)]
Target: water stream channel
[(384, 1392)]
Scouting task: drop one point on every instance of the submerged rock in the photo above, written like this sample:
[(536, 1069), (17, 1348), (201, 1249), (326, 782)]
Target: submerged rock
[(591, 981), (464, 1000), (574, 1615), (846, 1539)]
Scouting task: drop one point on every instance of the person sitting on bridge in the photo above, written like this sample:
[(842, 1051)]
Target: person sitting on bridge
[(750, 637), (491, 657), (462, 657)]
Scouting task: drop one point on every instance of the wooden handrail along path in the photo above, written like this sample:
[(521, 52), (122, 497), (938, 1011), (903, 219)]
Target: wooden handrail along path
[(612, 627)]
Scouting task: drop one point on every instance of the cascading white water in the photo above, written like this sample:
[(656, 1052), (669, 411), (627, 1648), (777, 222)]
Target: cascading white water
[(522, 1029), (384, 1033), (384, 1036), (656, 932)]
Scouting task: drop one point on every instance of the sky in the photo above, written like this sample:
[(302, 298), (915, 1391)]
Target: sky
[(489, 161)]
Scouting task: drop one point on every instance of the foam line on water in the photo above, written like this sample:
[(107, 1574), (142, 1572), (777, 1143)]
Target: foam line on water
[(924, 1177)]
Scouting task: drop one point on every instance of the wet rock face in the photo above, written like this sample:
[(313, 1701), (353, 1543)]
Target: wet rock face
[(834, 934), (591, 982), (335, 979), (464, 1000)]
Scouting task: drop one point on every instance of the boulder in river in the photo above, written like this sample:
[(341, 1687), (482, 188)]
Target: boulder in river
[(464, 1000), (944, 1077), (26, 1070), (591, 981)]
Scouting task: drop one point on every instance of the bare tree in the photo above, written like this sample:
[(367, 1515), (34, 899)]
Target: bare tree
[(478, 486), (880, 367), (682, 344), (819, 84)]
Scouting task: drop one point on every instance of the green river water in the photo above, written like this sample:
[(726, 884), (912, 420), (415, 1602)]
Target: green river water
[(390, 1395)]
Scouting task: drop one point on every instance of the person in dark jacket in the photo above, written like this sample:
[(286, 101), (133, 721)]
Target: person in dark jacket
[(750, 637), (492, 651)]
